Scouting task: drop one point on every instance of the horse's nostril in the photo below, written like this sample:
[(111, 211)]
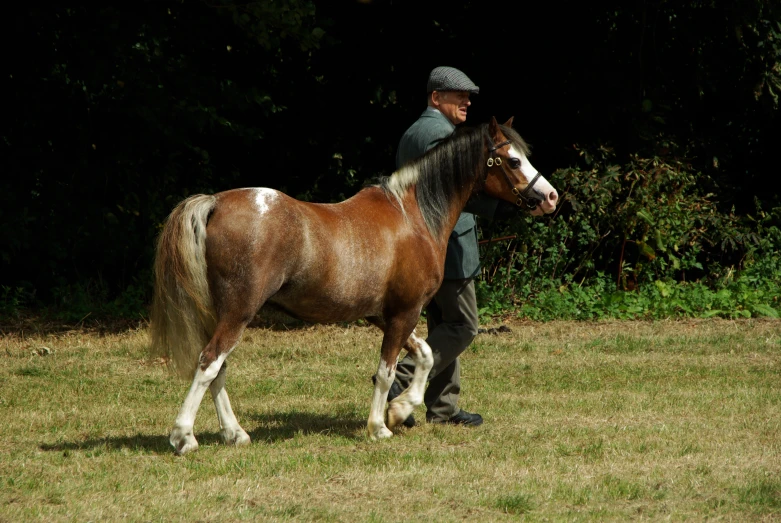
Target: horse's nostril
[(553, 196)]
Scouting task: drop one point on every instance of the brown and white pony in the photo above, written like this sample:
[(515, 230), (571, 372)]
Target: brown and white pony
[(378, 255)]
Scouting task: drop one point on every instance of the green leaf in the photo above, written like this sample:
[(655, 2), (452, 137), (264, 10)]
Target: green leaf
[(645, 216), (646, 250), (764, 310), (260, 100), (659, 242), (664, 289)]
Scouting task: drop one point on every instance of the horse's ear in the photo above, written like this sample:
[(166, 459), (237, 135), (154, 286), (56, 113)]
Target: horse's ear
[(509, 123), (493, 126)]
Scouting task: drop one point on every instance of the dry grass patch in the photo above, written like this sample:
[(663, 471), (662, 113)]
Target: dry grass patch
[(584, 421)]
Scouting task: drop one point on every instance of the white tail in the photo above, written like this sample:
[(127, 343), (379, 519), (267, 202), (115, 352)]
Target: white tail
[(182, 317)]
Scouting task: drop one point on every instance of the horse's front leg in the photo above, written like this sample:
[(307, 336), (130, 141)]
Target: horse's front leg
[(386, 372), (402, 406), (396, 330)]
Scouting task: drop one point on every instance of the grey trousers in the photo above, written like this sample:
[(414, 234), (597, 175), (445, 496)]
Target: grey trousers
[(452, 325)]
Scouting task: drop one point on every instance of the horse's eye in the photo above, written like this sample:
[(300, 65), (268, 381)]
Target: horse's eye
[(514, 163)]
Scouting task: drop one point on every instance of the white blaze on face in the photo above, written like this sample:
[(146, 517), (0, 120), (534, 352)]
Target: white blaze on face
[(542, 187), (528, 170), (264, 198)]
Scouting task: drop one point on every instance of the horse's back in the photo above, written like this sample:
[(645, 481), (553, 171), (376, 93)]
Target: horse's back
[(320, 262)]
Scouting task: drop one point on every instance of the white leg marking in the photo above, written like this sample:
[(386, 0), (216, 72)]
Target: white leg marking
[(376, 425), (182, 438), (230, 430), (403, 405)]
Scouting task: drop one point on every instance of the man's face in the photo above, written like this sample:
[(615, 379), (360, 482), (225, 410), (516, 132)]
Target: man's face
[(452, 104)]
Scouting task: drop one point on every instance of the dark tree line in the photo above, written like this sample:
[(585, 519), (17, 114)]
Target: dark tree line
[(114, 114)]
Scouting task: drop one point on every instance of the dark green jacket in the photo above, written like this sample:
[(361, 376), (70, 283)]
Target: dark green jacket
[(463, 256)]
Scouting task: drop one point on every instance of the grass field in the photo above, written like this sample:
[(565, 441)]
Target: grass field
[(584, 422)]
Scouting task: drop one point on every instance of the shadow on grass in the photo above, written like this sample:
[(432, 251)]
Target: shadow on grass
[(278, 426), (42, 324), (272, 427), (157, 444), (48, 322)]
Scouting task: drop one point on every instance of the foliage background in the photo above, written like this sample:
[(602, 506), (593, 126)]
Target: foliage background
[(657, 122)]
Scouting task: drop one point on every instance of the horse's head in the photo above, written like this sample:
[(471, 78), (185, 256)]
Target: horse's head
[(510, 176)]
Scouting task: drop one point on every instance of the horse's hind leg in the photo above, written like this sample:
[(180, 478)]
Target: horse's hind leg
[(230, 430), (403, 405), (212, 357)]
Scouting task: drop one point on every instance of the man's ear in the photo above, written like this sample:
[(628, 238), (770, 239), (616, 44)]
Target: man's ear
[(436, 98)]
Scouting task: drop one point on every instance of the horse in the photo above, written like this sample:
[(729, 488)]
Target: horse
[(378, 255)]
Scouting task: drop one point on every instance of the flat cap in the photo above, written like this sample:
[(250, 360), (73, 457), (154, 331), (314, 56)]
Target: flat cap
[(450, 79)]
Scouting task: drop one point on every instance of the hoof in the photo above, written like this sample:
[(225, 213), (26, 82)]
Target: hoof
[(398, 413), (236, 437), (381, 433), (182, 441)]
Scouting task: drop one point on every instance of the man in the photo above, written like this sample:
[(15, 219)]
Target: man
[(452, 313)]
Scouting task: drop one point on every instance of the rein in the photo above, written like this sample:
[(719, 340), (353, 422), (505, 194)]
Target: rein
[(524, 197)]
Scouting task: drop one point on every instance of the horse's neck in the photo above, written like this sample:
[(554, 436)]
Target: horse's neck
[(457, 204)]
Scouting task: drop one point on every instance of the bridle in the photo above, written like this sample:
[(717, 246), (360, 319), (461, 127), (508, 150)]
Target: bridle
[(524, 197)]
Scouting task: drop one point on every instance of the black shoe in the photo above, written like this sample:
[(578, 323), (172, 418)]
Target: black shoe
[(394, 391), (464, 418)]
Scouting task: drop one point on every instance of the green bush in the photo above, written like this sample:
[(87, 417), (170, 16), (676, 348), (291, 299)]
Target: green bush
[(640, 240), (13, 300)]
